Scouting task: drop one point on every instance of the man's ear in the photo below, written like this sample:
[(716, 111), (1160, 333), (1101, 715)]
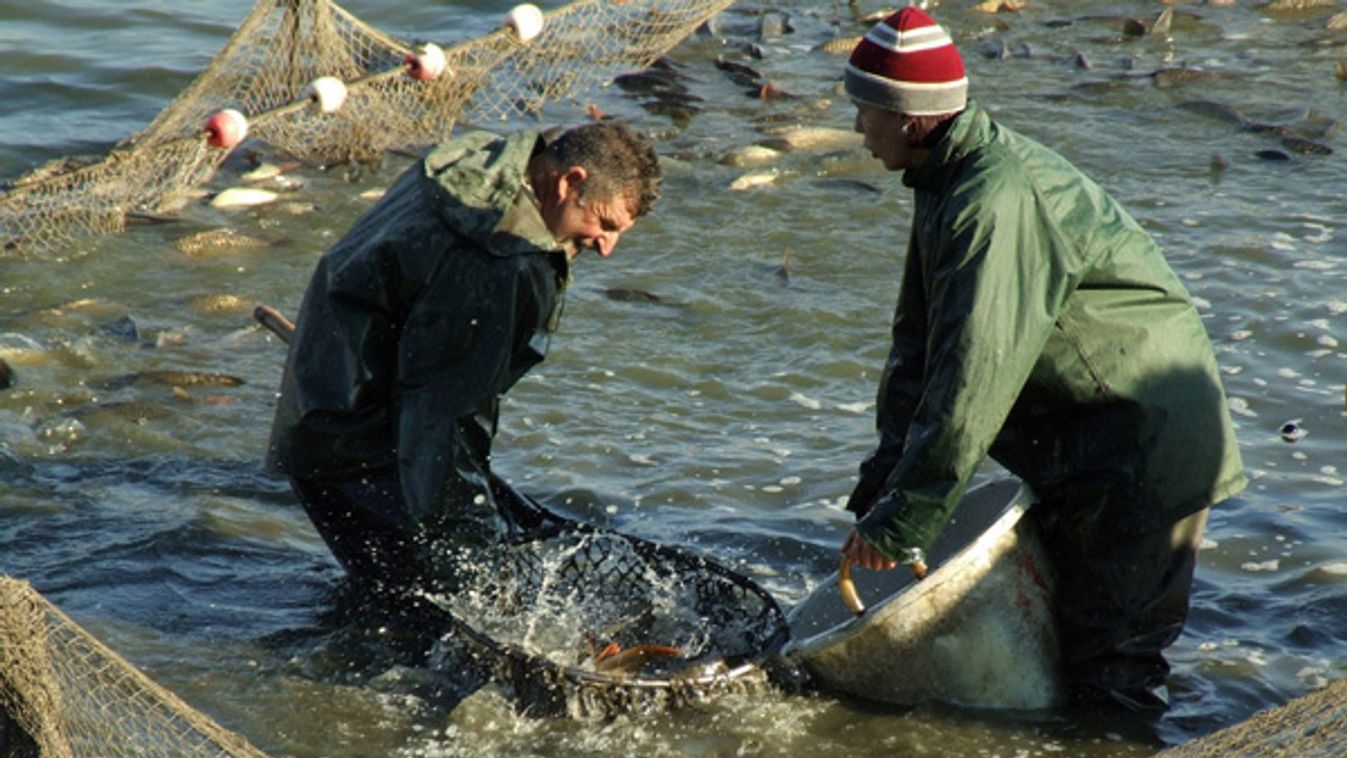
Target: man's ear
[(571, 182)]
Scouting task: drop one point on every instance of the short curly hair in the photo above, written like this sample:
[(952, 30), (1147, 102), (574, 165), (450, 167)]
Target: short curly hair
[(619, 160)]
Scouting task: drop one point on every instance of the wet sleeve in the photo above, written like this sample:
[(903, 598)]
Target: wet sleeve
[(994, 283), (455, 358), (899, 387), (332, 416)]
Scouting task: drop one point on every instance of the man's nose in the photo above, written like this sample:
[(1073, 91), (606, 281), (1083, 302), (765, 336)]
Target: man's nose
[(604, 244)]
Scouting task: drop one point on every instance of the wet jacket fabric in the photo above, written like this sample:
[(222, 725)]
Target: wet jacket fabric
[(1039, 323), (433, 305)]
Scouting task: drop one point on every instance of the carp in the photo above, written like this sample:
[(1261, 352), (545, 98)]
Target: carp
[(173, 379), (614, 659), (213, 241)]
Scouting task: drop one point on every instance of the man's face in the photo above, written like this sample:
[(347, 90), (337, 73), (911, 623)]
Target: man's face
[(579, 221), (884, 136)]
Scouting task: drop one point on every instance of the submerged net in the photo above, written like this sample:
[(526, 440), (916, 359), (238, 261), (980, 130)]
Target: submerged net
[(64, 693), (589, 623), (284, 45)]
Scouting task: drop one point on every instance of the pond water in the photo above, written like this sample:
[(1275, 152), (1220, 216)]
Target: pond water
[(727, 416)]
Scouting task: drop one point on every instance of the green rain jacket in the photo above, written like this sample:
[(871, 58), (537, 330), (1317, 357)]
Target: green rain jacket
[(1039, 323), (433, 305)]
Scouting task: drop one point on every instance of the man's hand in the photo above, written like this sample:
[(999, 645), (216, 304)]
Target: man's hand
[(863, 554)]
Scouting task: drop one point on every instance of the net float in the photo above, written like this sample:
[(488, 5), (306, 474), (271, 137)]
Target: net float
[(326, 94), (526, 20), (426, 63), (226, 128)]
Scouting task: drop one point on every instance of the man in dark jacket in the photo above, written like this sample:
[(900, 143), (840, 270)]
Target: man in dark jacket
[(1039, 323), (433, 305)]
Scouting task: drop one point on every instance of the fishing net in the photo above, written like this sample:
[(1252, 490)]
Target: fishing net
[(63, 693), (265, 71), (585, 622)]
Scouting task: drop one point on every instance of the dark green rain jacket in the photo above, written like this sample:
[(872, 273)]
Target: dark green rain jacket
[(1039, 323), (433, 305)]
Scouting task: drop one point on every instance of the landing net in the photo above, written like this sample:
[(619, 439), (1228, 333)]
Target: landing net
[(579, 621), (282, 47)]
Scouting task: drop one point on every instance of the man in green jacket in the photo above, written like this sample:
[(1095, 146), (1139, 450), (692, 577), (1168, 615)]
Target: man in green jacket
[(1039, 324), (431, 307)]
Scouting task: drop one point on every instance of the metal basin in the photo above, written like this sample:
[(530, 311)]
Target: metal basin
[(977, 631)]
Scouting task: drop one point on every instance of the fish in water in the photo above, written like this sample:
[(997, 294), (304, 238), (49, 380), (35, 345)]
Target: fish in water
[(269, 171), (755, 179), (1298, 5), (839, 45), (613, 659), (1305, 146), (629, 295), (243, 197), (748, 156), (123, 329), (173, 379), (1158, 28), (658, 78), (741, 74), (134, 411), (812, 138), (1219, 111), (218, 303), (999, 6), (1289, 140), (90, 307), (663, 91), (1168, 78), (217, 241)]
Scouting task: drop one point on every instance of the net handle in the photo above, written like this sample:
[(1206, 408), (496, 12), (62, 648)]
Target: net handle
[(275, 322)]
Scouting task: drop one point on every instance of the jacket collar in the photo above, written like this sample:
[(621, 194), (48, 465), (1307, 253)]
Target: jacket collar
[(969, 131), (476, 183)]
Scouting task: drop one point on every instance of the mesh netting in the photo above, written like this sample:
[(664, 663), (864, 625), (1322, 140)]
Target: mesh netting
[(590, 623), (283, 46), (574, 621), (63, 693)]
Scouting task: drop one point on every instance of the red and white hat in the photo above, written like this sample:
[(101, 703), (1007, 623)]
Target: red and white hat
[(908, 64)]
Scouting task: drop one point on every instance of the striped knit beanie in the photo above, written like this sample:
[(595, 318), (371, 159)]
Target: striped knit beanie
[(908, 64)]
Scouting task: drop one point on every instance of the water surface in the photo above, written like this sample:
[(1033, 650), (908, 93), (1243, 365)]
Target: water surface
[(728, 417)]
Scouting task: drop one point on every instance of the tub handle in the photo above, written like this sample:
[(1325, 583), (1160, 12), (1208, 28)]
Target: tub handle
[(846, 587)]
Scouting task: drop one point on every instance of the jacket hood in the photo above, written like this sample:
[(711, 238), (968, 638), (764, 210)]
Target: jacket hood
[(474, 182)]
